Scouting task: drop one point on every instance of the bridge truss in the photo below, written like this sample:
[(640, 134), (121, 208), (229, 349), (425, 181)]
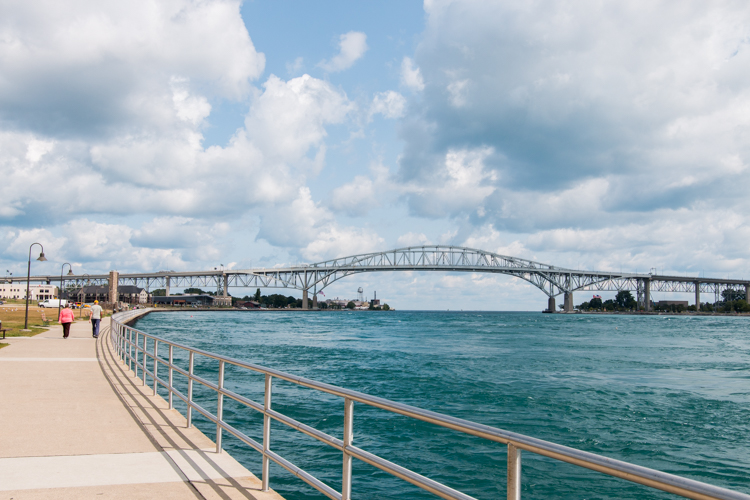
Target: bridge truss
[(551, 280)]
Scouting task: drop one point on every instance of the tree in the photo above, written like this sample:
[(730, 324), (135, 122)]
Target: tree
[(386, 307), (257, 295), (625, 300), (159, 292), (350, 305), (730, 295), (194, 291), (595, 303)]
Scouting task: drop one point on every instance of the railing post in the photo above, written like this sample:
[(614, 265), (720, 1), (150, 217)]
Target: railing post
[(514, 473), (156, 364), (266, 433), (144, 360), (190, 391), (135, 362), (346, 483), (171, 371), (220, 407), (130, 349)]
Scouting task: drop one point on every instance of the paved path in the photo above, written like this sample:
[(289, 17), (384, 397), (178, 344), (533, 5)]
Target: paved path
[(75, 423)]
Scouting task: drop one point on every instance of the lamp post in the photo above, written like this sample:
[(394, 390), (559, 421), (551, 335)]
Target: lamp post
[(59, 293), (28, 281), (82, 295)]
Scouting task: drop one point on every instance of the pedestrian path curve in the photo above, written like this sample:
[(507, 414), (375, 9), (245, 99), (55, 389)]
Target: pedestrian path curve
[(75, 423)]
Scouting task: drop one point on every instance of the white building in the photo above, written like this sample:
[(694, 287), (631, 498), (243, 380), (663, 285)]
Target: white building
[(18, 291)]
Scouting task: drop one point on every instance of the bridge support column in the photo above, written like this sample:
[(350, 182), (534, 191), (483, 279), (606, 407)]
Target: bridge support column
[(697, 296), (226, 285), (315, 301), (304, 300), (113, 295), (551, 304), (166, 286), (568, 303), (747, 292), (647, 294)]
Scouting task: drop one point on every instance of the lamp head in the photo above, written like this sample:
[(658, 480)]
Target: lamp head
[(42, 257), (70, 273)]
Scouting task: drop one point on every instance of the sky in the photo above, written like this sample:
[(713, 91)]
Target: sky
[(184, 135)]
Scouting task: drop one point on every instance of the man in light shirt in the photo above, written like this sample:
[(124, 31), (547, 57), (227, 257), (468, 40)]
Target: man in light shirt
[(95, 316)]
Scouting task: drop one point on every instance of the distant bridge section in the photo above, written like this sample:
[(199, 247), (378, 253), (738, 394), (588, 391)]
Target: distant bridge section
[(551, 280)]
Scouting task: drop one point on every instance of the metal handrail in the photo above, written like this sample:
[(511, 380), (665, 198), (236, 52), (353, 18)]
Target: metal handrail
[(129, 348)]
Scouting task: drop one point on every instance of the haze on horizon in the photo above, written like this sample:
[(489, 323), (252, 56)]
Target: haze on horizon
[(182, 135)]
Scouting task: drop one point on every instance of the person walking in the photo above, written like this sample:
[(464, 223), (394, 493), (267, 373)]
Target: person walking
[(95, 316), (66, 319)]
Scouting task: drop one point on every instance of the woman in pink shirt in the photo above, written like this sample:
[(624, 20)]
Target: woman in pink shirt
[(66, 319)]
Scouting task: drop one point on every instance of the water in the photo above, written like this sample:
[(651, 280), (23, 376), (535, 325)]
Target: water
[(666, 392)]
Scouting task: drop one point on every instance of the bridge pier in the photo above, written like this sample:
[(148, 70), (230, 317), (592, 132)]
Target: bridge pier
[(226, 285), (166, 286), (551, 304), (113, 294), (647, 294), (747, 292), (315, 301), (304, 300), (568, 302), (697, 296)]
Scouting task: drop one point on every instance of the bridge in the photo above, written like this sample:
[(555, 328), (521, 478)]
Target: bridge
[(551, 280)]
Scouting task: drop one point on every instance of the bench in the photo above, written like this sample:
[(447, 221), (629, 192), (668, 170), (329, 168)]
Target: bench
[(4, 330)]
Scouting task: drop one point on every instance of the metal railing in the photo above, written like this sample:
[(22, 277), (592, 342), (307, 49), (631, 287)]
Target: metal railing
[(127, 342)]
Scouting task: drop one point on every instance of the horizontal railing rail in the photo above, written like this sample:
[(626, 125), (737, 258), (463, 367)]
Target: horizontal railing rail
[(132, 347)]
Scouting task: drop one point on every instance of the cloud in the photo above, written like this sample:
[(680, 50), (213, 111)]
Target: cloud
[(289, 118), (312, 229), (649, 103), (411, 76), (413, 240), (79, 69), (460, 184), (352, 46), (365, 192), (390, 104)]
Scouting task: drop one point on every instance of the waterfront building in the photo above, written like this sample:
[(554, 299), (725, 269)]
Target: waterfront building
[(18, 291), (184, 300), (125, 293)]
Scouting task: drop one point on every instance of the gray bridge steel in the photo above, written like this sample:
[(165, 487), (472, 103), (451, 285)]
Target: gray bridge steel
[(551, 280)]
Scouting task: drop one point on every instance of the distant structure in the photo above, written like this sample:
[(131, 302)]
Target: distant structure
[(360, 296)]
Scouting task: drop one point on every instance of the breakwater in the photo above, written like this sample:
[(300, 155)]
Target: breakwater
[(663, 392)]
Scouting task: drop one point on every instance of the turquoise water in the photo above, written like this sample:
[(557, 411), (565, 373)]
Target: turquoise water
[(667, 392)]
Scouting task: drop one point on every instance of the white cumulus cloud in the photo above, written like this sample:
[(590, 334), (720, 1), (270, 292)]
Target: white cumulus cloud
[(352, 46)]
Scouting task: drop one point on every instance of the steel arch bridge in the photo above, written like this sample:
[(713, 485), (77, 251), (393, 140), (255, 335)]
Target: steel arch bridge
[(551, 280)]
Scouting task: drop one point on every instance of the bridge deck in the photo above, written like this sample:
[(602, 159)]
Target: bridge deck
[(75, 421)]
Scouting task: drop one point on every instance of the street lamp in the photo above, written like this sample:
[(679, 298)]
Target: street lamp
[(59, 293), (28, 281), (81, 295)]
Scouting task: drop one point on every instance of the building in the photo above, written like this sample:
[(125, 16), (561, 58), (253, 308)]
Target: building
[(125, 293), (220, 300), (18, 291), (184, 300), (668, 303)]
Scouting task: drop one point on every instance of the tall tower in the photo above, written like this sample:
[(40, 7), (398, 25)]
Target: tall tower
[(360, 297)]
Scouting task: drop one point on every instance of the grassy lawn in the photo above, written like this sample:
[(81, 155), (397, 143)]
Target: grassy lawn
[(12, 316), (3, 345)]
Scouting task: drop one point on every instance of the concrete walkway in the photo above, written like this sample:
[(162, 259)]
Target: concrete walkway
[(75, 423)]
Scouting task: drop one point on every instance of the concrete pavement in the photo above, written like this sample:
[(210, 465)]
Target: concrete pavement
[(75, 423)]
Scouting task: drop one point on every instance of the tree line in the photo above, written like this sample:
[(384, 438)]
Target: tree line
[(732, 301)]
